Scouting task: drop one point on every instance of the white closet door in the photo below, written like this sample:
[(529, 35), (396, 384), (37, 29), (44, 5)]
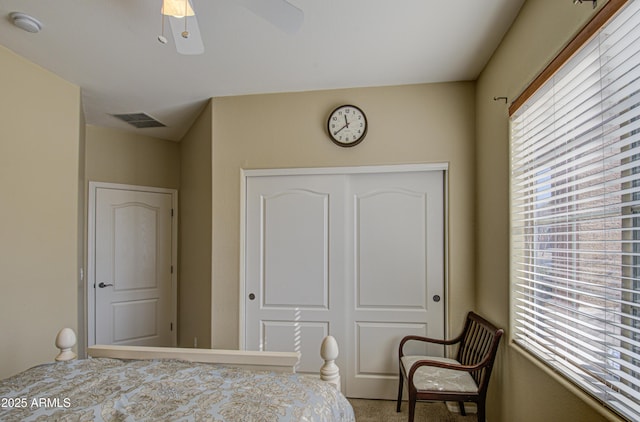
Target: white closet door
[(294, 291), (357, 256), (396, 274)]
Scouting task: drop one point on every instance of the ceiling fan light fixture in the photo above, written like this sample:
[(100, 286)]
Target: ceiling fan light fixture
[(177, 8)]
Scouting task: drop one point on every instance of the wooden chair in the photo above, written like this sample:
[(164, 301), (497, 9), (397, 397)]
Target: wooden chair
[(463, 379)]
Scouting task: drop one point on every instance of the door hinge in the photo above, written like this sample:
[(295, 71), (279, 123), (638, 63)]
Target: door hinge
[(171, 212), (171, 326), (172, 269)]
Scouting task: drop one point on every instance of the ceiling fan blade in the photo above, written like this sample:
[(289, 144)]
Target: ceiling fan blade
[(192, 44), (279, 13)]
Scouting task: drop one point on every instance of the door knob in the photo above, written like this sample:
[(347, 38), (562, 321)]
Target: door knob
[(251, 296), (436, 298), (102, 285)]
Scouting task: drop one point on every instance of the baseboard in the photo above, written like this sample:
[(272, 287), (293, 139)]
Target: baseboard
[(468, 407)]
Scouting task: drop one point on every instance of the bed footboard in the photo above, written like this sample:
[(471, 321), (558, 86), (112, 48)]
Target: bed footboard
[(270, 361), (329, 371), (65, 340)]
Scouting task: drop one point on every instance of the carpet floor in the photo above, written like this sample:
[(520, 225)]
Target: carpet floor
[(385, 411)]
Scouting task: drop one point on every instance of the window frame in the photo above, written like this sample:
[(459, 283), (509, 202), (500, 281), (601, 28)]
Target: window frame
[(589, 31), (585, 35)]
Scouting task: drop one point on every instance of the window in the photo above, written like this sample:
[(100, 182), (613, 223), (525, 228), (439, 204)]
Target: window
[(575, 217)]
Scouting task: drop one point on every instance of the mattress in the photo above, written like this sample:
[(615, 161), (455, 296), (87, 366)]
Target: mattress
[(173, 390)]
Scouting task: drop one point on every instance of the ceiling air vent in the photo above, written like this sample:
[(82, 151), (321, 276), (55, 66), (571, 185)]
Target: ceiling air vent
[(139, 120)]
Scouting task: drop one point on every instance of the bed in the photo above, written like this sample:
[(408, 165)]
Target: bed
[(119, 383)]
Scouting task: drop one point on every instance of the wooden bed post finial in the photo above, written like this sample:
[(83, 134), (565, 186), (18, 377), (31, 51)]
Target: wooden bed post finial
[(65, 340), (329, 371)]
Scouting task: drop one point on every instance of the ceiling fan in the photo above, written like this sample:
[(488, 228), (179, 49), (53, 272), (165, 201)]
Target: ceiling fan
[(186, 33)]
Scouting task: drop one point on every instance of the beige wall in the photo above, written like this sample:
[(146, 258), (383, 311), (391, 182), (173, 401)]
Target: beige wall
[(521, 390), (118, 156), (194, 305), (39, 172), (407, 124)]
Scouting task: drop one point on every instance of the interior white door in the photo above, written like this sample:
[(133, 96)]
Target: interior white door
[(133, 267), (294, 291), (396, 274), (357, 256)]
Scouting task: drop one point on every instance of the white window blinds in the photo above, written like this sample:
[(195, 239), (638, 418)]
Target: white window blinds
[(575, 217)]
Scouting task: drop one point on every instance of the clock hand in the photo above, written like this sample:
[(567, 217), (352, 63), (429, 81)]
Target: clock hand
[(336, 132)]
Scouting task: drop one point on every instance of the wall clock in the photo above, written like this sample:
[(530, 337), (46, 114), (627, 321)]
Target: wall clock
[(347, 125)]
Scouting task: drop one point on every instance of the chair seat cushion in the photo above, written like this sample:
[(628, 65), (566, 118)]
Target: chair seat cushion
[(439, 379)]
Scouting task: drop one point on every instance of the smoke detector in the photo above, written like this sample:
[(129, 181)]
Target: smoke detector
[(26, 22)]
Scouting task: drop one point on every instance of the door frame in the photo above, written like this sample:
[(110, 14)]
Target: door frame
[(376, 169), (91, 258)]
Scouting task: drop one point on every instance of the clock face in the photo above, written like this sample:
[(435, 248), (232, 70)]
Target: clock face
[(347, 125)]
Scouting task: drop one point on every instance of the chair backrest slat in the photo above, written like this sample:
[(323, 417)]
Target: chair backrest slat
[(478, 341)]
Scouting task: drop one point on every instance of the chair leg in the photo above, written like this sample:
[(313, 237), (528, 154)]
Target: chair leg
[(461, 406), (400, 385), (481, 411), (412, 405)]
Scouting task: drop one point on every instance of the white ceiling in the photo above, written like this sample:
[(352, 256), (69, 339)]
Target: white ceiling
[(110, 49)]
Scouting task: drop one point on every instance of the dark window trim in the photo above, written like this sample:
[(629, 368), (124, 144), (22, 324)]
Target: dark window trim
[(586, 33)]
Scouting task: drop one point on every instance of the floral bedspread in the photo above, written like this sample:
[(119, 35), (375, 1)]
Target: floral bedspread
[(166, 390)]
